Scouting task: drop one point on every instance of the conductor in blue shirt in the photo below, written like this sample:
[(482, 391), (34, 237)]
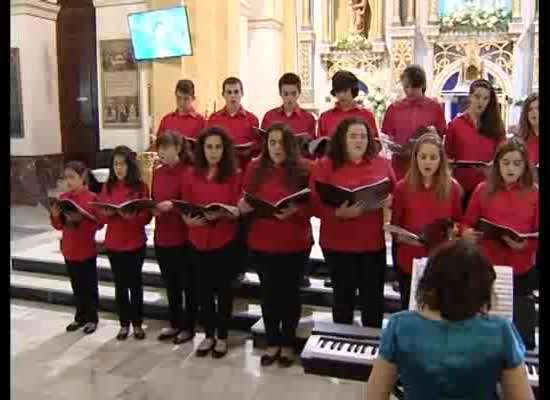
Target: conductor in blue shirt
[(451, 348)]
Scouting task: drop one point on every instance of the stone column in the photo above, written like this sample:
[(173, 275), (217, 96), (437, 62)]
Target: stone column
[(516, 10), (33, 32), (328, 21), (432, 18), (306, 48), (377, 24), (410, 12), (396, 13)]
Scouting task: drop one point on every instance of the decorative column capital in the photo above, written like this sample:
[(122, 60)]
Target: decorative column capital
[(41, 9)]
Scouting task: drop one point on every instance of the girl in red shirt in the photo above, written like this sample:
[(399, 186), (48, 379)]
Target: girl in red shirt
[(171, 244), (78, 246), (529, 127), (279, 244), (125, 239), (351, 237), (214, 178), (475, 135), (510, 197), (426, 194)]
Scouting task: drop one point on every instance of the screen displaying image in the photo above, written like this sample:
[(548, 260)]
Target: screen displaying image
[(160, 33)]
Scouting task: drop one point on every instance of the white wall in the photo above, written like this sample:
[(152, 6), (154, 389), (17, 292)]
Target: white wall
[(36, 39), (112, 23)]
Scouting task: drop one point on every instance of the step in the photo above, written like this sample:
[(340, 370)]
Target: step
[(305, 327), (57, 290), (47, 259)]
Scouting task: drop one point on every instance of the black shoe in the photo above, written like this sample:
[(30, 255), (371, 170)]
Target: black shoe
[(305, 282), (219, 353), (73, 326), (328, 282), (395, 286), (168, 333), (139, 333), (183, 337), (285, 362), (90, 328), (267, 359), (204, 352), (123, 333)]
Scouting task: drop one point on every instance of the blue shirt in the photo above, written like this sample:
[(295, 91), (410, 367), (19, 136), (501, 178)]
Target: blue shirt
[(439, 359)]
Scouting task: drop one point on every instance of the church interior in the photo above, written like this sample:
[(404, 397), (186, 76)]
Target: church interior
[(78, 91)]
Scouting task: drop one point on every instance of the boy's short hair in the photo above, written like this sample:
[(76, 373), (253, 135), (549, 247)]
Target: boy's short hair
[(343, 80), (185, 86), (232, 80), (290, 78)]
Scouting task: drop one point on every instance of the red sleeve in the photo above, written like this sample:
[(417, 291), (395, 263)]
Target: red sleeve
[(321, 174), (321, 127), (473, 212), (388, 126), (457, 194), (104, 197), (56, 222), (185, 185), (162, 126), (536, 216), (372, 123), (143, 217), (247, 176), (441, 122), (266, 121), (202, 125), (92, 210), (450, 145), (390, 172), (398, 204), (237, 187)]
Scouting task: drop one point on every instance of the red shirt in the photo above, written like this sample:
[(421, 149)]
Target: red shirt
[(464, 142), (125, 234), (198, 189), (170, 230), (187, 124), (511, 207), (414, 209), (271, 234), (78, 242), (350, 235), (532, 143), (299, 120), (404, 117), (329, 120)]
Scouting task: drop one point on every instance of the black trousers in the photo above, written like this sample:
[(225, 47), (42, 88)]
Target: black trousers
[(351, 271), (404, 280), (524, 306), (240, 246), (214, 271), (178, 275), (83, 276), (127, 267), (280, 275)]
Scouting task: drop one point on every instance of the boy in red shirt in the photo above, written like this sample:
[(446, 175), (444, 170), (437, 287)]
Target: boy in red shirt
[(290, 113), (345, 87), (237, 121), (185, 120)]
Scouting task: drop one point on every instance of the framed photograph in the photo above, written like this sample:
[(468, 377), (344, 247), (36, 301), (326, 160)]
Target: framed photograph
[(120, 85), (16, 98)]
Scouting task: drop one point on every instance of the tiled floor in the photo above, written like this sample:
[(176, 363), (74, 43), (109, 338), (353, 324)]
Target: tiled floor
[(49, 364)]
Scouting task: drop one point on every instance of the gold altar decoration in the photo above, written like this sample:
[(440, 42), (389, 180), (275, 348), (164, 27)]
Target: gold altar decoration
[(146, 162)]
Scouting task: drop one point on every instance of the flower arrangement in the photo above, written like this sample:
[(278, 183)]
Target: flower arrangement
[(471, 18), (353, 41), (379, 102)]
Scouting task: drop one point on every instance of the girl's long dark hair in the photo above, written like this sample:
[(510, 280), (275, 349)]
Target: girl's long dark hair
[(525, 128), (295, 170), (133, 177), (490, 121), (228, 164), (338, 152)]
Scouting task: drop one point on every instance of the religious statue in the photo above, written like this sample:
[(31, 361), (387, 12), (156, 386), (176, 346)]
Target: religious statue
[(360, 17)]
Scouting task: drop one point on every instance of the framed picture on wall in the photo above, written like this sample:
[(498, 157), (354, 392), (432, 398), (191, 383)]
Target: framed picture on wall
[(16, 99), (120, 106)]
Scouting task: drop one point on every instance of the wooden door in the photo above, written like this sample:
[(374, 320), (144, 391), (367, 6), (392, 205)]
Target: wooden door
[(77, 58)]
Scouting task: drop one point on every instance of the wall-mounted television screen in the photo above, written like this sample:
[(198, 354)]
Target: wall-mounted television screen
[(160, 33)]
